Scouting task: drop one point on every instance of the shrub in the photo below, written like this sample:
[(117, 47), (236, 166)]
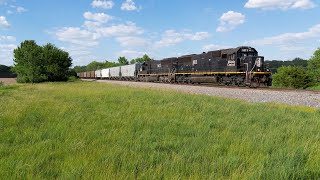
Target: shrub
[(34, 63), (314, 66), (291, 77)]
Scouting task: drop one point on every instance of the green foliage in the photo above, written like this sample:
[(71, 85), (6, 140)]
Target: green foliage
[(82, 131), (315, 87), (314, 66), (123, 61), (133, 61), (275, 64), (72, 79), (78, 69), (94, 65), (5, 72), (29, 63), (145, 58), (34, 63), (291, 77), (57, 63)]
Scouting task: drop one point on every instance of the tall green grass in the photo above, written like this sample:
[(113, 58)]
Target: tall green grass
[(99, 131)]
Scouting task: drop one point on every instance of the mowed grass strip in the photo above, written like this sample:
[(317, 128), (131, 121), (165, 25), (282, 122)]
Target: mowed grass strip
[(93, 131)]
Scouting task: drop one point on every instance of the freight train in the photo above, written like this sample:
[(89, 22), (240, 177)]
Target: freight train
[(241, 66)]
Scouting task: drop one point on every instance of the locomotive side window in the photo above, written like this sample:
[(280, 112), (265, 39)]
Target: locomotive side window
[(194, 62), (224, 56)]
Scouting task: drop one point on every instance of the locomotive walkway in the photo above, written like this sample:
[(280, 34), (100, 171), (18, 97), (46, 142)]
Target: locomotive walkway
[(289, 97)]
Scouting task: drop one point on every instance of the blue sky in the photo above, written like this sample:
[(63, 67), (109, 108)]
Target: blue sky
[(106, 29)]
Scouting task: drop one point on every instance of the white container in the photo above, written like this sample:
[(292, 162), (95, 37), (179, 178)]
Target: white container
[(98, 73), (115, 72), (128, 70), (105, 73)]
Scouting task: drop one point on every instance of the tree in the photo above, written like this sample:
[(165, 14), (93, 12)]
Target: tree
[(79, 69), (275, 64), (314, 65), (139, 60), (94, 65), (146, 58), (291, 77), (133, 61), (34, 63), (123, 61), (29, 63), (57, 63)]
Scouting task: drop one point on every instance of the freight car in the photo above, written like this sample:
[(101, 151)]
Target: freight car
[(241, 66)]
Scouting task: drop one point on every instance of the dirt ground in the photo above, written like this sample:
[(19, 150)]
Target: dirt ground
[(8, 81)]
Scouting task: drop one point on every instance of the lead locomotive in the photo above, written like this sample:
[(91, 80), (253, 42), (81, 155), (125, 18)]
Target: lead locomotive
[(236, 66)]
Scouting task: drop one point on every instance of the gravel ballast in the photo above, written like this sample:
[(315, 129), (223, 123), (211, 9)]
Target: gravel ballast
[(289, 97)]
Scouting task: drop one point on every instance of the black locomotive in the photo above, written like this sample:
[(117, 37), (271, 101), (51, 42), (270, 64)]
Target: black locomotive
[(240, 66)]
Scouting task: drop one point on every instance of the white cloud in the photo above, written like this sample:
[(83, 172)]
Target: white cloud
[(92, 25), (7, 38), (131, 41), (172, 37), (80, 55), (230, 20), (6, 53), (11, 9), (212, 47), (129, 5), (130, 54), (127, 29), (313, 32), (289, 45), (3, 22), (102, 4), (21, 9), (198, 36), (77, 36), (280, 4), (99, 17)]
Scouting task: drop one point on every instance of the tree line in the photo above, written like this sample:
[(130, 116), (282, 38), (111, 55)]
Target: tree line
[(94, 65), (275, 64), (300, 75)]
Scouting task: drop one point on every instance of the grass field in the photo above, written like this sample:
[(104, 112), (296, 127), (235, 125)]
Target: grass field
[(92, 131)]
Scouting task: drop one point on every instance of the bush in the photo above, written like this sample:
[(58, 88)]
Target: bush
[(72, 79), (292, 77), (314, 66), (34, 63)]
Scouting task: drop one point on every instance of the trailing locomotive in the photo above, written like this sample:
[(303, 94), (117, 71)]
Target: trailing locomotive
[(240, 66)]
